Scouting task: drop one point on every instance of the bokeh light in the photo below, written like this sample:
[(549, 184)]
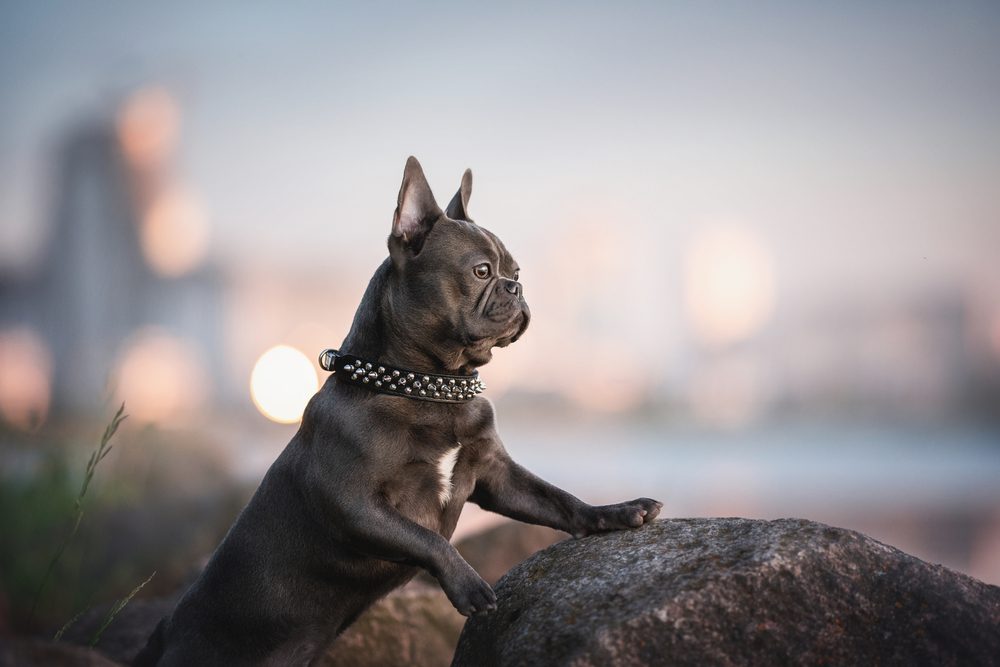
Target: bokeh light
[(174, 233), (282, 382), (25, 380), (729, 285), (159, 377), (147, 126)]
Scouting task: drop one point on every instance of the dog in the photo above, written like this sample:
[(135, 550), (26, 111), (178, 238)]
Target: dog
[(389, 450)]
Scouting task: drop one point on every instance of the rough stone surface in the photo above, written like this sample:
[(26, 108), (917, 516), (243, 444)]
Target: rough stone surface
[(415, 626), (733, 592), (31, 652)]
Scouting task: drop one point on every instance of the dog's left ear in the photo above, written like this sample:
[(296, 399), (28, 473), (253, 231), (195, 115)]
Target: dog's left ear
[(458, 209), (416, 210)]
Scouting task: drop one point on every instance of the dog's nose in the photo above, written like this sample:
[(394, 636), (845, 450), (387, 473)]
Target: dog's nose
[(513, 287)]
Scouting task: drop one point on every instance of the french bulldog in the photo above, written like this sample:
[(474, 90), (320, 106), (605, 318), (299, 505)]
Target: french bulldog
[(389, 450)]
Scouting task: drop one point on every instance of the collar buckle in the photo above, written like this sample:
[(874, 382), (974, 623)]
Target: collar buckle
[(327, 358)]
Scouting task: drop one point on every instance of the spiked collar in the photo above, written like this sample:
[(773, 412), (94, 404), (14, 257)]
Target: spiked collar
[(395, 381)]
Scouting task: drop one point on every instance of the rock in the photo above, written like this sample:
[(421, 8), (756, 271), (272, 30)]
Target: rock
[(415, 626), (128, 632), (496, 550), (733, 592), (30, 652)]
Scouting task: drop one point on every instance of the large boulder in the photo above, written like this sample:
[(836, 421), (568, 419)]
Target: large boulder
[(415, 625), (733, 592)]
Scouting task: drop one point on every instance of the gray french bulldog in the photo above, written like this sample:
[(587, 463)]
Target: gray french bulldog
[(392, 446)]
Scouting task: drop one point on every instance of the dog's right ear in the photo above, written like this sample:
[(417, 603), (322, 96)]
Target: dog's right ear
[(416, 210), (458, 209)]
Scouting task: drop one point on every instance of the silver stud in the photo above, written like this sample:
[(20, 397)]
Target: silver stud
[(437, 394), (348, 368), (393, 387), (426, 379), (381, 369), (451, 382), (378, 383), (409, 390), (395, 374), (465, 382), (423, 393), (368, 366), (417, 384), (409, 376), (365, 380)]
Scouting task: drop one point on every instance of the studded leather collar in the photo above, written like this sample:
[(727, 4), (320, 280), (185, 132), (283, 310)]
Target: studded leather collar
[(396, 381)]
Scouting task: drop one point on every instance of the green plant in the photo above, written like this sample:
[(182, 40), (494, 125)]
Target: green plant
[(118, 606), (161, 503), (95, 458)]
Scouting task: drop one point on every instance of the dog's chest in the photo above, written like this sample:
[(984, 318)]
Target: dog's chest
[(438, 473), (438, 478), (446, 470)]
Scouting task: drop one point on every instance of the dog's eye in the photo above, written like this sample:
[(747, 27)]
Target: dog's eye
[(482, 271), (517, 275)]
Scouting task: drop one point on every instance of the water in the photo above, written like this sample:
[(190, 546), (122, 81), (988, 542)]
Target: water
[(933, 491), (779, 468)]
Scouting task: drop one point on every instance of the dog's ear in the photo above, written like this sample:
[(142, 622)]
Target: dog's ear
[(458, 209), (416, 210)]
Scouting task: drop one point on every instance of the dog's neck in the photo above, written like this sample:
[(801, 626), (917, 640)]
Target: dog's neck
[(374, 336)]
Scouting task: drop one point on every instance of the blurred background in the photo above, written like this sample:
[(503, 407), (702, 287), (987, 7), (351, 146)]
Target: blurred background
[(761, 246)]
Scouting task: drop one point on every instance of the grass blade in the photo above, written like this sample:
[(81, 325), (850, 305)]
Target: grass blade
[(95, 458), (68, 625), (116, 609)]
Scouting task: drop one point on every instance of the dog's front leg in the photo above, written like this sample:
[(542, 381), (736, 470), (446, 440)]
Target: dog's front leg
[(507, 488), (370, 526)]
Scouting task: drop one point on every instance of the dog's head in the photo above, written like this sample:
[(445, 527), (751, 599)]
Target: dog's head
[(455, 288)]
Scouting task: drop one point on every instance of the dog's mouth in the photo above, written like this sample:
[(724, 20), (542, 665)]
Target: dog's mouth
[(510, 329), (520, 323), (524, 318)]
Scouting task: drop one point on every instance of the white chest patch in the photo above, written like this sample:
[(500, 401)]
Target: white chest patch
[(446, 466)]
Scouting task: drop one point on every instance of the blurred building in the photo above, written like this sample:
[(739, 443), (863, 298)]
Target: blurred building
[(119, 270)]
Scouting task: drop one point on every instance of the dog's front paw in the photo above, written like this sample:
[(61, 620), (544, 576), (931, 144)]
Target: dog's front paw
[(469, 592), (631, 514)]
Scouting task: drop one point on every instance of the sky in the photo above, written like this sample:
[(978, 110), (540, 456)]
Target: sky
[(849, 124), (844, 153)]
